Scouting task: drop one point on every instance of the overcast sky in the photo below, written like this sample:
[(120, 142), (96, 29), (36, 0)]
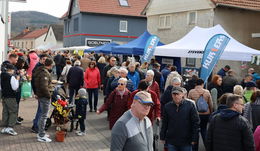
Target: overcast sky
[(53, 7)]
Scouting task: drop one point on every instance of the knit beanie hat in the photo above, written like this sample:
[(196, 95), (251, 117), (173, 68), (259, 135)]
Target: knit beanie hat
[(82, 92)]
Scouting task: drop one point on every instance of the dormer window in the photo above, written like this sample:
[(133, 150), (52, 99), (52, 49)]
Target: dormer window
[(123, 3)]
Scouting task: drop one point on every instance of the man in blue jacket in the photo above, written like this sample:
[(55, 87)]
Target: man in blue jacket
[(180, 126), (222, 72)]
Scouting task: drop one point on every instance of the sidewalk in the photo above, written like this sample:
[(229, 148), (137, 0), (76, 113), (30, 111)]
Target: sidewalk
[(96, 139)]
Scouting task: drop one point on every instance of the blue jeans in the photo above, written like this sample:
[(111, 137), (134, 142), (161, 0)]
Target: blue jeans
[(72, 92), (45, 106), (204, 119), (179, 148), (95, 92), (37, 116)]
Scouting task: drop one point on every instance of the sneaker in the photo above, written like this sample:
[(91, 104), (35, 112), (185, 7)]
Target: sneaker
[(90, 110), (44, 139), (81, 133), (77, 132), (20, 119), (46, 135), (3, 131), (34, 130), (11, 131), (18, 122)]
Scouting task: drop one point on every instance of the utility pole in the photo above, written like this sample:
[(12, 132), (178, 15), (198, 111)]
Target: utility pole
[(6, 29)]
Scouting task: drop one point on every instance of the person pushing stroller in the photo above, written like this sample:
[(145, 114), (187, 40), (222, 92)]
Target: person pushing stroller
[(81, 103)]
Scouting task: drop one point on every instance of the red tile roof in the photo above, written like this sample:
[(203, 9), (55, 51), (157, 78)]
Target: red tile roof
[(246, 4), (36, 33), (112, 7), (21, 35)]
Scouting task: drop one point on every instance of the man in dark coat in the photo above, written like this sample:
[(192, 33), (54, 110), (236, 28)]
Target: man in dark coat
[(228, 130), (180, 126), (60, 62), (222, 71), (43, 91), (229, 82), (158, 76), (75, 79), (41, 62), (112, 63)]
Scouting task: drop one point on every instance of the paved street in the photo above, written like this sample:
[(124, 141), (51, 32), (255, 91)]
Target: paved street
[(97, 138)]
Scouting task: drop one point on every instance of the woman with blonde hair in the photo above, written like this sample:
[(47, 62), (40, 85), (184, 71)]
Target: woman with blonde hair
[(101, 63), (238, 89)]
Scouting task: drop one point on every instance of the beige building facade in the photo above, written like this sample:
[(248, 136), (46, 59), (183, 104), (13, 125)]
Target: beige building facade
[(171, 20)]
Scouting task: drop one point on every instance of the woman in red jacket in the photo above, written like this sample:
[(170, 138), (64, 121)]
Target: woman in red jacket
[(92, 83), (117, 100)]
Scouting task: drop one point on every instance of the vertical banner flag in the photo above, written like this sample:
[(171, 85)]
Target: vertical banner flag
[(150, 48), (212, 52)]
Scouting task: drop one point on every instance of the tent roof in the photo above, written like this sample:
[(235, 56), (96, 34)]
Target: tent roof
[(107, 48), (193, 44), (135, 47)]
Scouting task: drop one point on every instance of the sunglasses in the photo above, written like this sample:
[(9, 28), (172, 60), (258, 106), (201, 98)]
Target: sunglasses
[(92, 64), (120, 84)]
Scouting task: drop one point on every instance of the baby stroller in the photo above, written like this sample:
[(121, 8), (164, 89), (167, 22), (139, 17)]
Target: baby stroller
[(63, 112)]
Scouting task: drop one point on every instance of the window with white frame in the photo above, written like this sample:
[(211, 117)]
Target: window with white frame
[(123, 3), (192, 18), (123, 26), (165, 21), (191, 62)]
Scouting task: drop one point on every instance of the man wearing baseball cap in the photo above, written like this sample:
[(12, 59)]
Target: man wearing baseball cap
[(133, 130), (180, 126)]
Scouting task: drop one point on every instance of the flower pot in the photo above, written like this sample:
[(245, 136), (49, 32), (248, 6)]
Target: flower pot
[(60, 136)]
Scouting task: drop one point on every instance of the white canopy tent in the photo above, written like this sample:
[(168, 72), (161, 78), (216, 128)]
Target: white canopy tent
[(193, 44), (72, 48)]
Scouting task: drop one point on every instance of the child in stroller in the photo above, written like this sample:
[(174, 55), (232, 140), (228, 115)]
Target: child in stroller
[(62, 112)]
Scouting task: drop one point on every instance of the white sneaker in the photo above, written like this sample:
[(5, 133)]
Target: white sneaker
[(81, 133), (77, 132), (44, 139), (46, 135), (11, 131), (3, 131)]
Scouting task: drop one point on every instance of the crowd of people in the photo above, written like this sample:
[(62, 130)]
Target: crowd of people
[(224, 110)]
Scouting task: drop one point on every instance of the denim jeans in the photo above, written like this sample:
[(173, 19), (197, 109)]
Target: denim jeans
[(45, 105), (72, 92), (95, 92), (179, 148), (37, 116), (203, 130)]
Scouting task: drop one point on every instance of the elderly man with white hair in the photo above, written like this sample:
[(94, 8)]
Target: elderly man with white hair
[(123, 74), (166, 96), (153, 85), (256, 76)]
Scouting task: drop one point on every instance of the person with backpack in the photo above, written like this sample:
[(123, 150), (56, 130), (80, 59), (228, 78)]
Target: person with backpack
[(203, 101)]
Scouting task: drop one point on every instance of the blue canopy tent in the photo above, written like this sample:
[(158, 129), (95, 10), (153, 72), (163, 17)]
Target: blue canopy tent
[(135, 47), (103, 48)]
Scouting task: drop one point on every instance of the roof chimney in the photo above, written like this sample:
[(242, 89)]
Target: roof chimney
[(26, 30)]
